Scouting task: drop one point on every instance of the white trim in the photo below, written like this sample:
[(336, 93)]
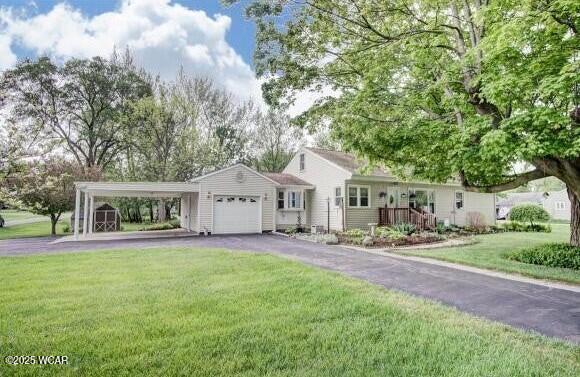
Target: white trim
[(358, 187), (259, 196), (199, 209), (77, 212), (196, 180), (85, 214), (275, 205), (287, 196), (91, 213), (336, 197), (171, 188)]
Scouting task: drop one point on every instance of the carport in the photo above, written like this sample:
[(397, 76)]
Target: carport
[(88, 191)]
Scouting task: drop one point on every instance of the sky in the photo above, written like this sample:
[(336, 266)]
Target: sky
[(202, 36)]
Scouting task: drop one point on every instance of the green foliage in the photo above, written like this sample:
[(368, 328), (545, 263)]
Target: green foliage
[(438, 90), (390, 233), (160, 226), (514, 226), (529, 213), (440, 228), (292, 229), (355, 232), (405, 228), (553, 255)]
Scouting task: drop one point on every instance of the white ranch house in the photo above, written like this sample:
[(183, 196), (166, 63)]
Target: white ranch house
[(319, 187)]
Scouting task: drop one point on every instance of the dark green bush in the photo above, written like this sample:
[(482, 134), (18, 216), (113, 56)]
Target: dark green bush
[(160, 226), (531, 213), (552, 255)]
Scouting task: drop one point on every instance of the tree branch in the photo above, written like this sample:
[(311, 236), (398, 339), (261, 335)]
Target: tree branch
[(512, 182)]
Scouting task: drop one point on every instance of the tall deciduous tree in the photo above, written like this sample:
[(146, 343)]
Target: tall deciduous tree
[(77, 105), (440, 89), (46, 187), (275, 141)]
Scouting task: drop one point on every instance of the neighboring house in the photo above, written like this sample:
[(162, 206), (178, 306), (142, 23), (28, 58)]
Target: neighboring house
[(318, 187), (556, 203)]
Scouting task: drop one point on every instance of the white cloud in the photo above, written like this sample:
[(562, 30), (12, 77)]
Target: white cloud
[(163, 36)]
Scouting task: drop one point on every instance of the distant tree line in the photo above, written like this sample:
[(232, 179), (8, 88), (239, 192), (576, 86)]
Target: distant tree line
[(108, 116)]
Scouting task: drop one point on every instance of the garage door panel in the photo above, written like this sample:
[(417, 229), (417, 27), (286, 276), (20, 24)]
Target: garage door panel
[(236, 214)]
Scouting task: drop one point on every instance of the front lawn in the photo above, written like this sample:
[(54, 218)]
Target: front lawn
[(13, 214), (37, 229), (202, 312), (491, 250)]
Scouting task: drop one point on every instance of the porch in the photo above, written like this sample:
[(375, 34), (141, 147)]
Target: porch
[(422, 220)]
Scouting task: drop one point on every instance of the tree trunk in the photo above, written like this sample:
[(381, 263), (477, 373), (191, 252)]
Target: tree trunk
[(151, 211), (53, 221), (574, 218), (161, 211)]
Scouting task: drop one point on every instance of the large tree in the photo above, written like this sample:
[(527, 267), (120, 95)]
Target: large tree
[(76, 105), (46, 187), (436, 89)]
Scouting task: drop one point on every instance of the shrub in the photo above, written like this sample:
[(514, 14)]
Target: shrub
[(440, 228), (66, 228), (292, 229), (528, 213), (552, 255), (390, 233), (476, 221), (175, 223), (405, 228), (514, 226), (355, 233), (160, 226)]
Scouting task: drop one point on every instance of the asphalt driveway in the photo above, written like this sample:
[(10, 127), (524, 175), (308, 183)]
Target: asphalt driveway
[(549, 311)]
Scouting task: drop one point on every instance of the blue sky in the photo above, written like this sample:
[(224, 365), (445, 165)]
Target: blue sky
[(164, 35)]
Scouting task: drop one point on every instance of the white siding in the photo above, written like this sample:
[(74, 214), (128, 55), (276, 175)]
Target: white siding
[(325, 177), (550, 205), (481, 202), (226, 183)]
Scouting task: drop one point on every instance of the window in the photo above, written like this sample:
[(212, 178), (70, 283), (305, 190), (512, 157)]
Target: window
[(337, 196), (458, 199), (302, 161), (280, 199), (294, 200), (560, 205), (359, 196)]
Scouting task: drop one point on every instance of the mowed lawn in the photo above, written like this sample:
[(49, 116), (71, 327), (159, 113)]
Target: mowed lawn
[(202, 312), (12, 215), (36, 229), (490, 250)]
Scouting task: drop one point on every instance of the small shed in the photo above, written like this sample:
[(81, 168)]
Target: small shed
[(107, 219)]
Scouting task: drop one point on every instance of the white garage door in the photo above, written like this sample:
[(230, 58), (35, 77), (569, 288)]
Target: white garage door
[(236, 214)]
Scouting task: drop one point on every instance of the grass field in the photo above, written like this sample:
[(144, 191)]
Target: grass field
[(38, 229), (490, 249), (12, 214), (191, 312)]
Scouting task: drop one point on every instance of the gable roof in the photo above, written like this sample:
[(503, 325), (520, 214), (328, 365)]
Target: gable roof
[(239, 164), (286, 179), (515, 198), (348, 162)]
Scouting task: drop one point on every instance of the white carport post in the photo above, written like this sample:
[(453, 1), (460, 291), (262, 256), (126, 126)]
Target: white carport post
[(77, 213), (91, 212), (85, 214)]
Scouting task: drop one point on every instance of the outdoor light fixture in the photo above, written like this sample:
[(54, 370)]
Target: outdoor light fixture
[(265, 196)]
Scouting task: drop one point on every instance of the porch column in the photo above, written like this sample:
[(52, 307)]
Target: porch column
[(77, 213), (85, 214), (91, 212)]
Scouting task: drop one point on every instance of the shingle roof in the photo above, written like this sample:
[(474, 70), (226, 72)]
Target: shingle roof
[(286, 179), (522, 197), (349, 162)]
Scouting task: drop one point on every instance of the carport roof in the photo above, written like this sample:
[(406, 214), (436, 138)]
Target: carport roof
[(137, 189)]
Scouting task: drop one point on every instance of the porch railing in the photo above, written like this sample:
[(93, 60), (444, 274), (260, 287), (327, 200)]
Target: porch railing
[(421, 219)]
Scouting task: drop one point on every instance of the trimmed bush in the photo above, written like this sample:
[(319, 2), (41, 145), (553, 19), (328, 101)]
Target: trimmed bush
[(292, 229), (389, 233), (552, 255), (514, 226), (531, 213)]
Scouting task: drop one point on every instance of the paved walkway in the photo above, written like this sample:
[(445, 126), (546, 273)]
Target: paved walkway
[(550, 311)]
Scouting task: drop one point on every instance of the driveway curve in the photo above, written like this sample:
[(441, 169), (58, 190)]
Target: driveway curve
[(549, 311)]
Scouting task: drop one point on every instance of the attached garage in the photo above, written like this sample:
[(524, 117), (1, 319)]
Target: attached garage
[(236, 214), (236, 200)]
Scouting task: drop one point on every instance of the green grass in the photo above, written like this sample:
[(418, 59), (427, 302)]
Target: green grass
[(39, 229), (12, 214), (191, 312), (490, 251)]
